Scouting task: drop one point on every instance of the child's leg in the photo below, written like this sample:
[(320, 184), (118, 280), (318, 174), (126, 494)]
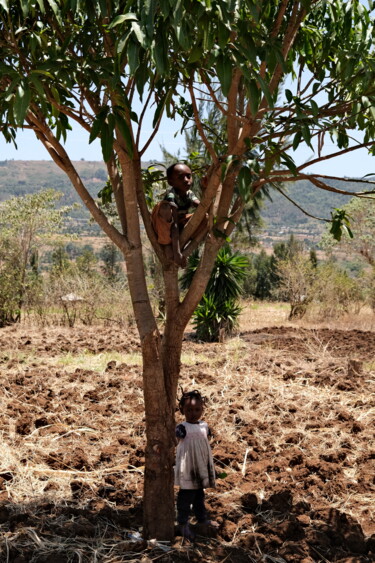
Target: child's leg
[(164, 222), (199, 508), (184, 501)]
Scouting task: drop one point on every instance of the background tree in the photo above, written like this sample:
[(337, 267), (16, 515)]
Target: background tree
[(362, 218), (25, 223), (110, 257), (335, 292), (88, 61), (296, 277)]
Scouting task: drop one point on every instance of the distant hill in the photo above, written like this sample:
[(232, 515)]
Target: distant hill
[(19, 177), (282, 217)]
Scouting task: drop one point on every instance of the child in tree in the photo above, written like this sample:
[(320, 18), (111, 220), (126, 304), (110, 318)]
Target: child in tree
[(194, 469), (171, 215)]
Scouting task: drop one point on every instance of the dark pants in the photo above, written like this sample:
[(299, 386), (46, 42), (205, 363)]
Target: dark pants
[(187, 498)]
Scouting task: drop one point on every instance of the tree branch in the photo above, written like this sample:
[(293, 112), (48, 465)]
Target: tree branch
[(198, 123), (60, 157)]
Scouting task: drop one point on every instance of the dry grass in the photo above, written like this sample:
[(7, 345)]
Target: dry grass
[(284, 412)]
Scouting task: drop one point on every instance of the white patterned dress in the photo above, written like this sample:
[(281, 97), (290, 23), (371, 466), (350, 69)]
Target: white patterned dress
[(194, 467)]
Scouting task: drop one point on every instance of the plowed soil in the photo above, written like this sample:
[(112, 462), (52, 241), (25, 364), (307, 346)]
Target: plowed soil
[(292, 411)]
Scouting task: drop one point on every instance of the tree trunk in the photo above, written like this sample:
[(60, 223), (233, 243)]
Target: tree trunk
[(161, 369), (158, 495)]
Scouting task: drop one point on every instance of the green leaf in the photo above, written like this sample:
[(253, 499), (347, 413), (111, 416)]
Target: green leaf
[(289, 163), (105, 193), (125, 131), (42, 72), (4, 4), (121, 19), (21, 103), (223, 34), (314, 108), (297, 140), (41, 6), (195, 54), (305, 130), (25, 7), (10, 90), (160, 50), (340, 224), (289, 95), (224, 72), (265, 90), (141, 77), (183, 36), (133, 56), (55, 9), (254, 96), (106, 141), (138, 33), (159, 110), (38, 85), (98, 124), (244, 182), (149, 7)]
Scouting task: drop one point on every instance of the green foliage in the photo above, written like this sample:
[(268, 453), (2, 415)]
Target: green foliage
[(217, 314), (360, 240), (10, 282), (25, 223), (335, 291), (340, 224), (262, 277), (296, 277), (103, 54), (214, 319), (111, 268)]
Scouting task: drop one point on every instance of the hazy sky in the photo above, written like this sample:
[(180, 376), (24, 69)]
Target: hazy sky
[(355, 164)]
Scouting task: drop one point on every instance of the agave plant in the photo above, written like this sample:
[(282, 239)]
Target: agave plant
[(217, 314)]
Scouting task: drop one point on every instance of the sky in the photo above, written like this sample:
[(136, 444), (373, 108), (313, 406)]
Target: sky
[(352, 165)]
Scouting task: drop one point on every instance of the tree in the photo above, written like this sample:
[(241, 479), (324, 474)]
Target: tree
[(87, 62), (25, 223), (362, 218), (110, 257), (296, 275)]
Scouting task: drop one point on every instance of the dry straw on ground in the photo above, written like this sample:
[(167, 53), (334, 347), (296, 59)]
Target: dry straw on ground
[(292, 408)]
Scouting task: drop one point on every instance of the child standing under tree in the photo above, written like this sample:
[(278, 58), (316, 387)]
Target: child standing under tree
[(194, 470)]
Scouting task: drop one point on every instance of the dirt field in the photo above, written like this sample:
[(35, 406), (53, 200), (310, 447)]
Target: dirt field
[(292, 409)]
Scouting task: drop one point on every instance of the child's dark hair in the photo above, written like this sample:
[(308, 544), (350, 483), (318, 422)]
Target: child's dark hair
[(171, 168), (188, 395)]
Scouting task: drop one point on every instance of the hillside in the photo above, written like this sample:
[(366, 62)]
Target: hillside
[(281, 217)]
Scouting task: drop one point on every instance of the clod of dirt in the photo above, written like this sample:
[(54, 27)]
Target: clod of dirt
[(249, 502), (24, 425), (280, 501)]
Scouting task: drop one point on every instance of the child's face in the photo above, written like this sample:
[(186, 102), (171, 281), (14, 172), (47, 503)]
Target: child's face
[(193, 410), (181, 178)]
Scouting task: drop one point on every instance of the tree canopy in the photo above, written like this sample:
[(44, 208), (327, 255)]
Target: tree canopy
[(280, 73), (87, 61)]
